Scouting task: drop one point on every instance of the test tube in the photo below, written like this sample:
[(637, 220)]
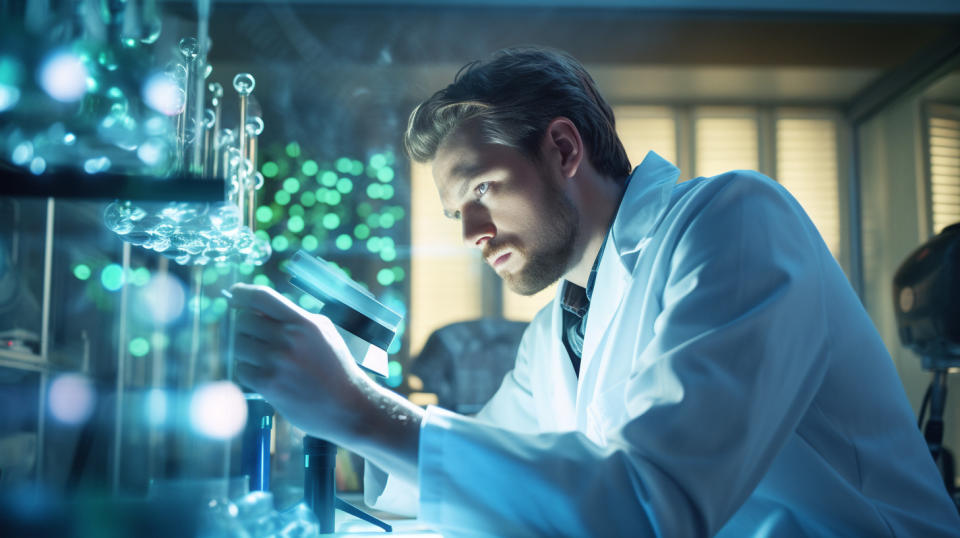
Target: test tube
[(243, 83)]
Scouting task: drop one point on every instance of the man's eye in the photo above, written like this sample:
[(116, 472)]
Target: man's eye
[(482, 188)]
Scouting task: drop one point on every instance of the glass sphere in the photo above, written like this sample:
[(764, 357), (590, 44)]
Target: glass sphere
[(244, 83), (189, 48)]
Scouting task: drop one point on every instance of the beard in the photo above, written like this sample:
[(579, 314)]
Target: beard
[(548, 259)]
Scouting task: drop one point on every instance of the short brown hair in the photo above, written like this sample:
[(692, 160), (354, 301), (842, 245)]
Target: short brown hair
[(515, 95)]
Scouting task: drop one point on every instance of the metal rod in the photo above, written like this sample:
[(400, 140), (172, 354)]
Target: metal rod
[(196, 293), (121, 371)]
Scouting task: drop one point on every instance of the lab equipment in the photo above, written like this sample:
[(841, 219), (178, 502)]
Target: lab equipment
[(366, 322), (349, 307), (926, 298)]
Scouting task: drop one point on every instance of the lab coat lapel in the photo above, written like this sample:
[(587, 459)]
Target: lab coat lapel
[(612, 280), (643, 206)]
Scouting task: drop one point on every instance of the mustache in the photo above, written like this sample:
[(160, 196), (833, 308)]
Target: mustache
[(491, 248)]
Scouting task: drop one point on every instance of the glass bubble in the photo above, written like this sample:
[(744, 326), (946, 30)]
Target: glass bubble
[(152, 32), (183, 259), (96, 164), (244, 240), (244, 83), (260, 252), (226, 138), (255, 126), (160, 243), (137, 237), (175, 70), (225, 217), (190, 242), (209, 119), (216, 91), (255, 181), (38, 165), (116, 216), (189, 48), (207, 70)]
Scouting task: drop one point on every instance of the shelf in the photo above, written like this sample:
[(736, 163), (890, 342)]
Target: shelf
[(107, 186)]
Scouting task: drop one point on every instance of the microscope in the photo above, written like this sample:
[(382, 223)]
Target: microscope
[(926, 297)]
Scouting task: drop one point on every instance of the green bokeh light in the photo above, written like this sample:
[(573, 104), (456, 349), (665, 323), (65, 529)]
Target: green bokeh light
[(373, 220), (328, 178), (373, 190), (344, 165), (140, 276), (280, 243), (399, 274), (398, 212), (245, 268), (344, 185), (308, 199), (82, 271), (344, 242), (361, 231), (378, 161), (333, 198), (386, 192), (385, 277), (295, 224), (309, 167), (210, 275), (262, 280), (220, 305), (374, 244), (387, 220), (388, 255), (296, 209), (139, 347), (364, 209), (269, 169), (262, 235), (385, 174), (331, 221), (356, 168), (112, 277), (309, 242), (291, 185), (264, 214), (293, 150), (282, 197)]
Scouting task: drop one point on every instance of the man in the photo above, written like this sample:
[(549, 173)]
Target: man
[(704, 369)]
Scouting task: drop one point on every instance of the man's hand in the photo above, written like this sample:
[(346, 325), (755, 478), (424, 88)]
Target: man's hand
[(299, 363)]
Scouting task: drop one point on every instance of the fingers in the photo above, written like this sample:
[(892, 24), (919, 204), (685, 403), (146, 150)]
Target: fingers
[(250, 350), (252, 376), (265, 300), (253, 324)]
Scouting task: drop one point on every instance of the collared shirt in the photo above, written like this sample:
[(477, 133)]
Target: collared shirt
[(575, 302)]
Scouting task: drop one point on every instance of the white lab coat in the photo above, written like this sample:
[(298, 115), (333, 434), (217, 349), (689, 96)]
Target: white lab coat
[(730, 383)]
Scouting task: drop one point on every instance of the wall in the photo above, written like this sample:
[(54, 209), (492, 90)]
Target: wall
[(894, 223)]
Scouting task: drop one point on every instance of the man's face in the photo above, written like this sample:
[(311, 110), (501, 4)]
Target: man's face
[(514, 209)]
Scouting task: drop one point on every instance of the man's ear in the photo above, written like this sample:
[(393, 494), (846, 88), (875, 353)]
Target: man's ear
[(562, 141)]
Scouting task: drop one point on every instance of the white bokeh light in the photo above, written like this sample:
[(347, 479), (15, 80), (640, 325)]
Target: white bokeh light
[(64, 77), (71, 398), (9, 96), (161, 301), (164, 95), (218, 410)]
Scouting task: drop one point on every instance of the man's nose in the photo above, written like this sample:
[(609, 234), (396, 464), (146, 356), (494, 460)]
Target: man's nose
[(478, 228)]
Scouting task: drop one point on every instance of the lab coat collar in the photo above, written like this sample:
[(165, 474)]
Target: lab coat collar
[(644, 204)]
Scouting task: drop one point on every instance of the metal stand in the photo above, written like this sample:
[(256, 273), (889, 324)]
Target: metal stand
[(255, 458), (319, 485), (936, 398)]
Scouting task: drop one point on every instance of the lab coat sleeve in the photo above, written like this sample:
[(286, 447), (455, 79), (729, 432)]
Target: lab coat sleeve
[(710, 400), (511, 407)]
